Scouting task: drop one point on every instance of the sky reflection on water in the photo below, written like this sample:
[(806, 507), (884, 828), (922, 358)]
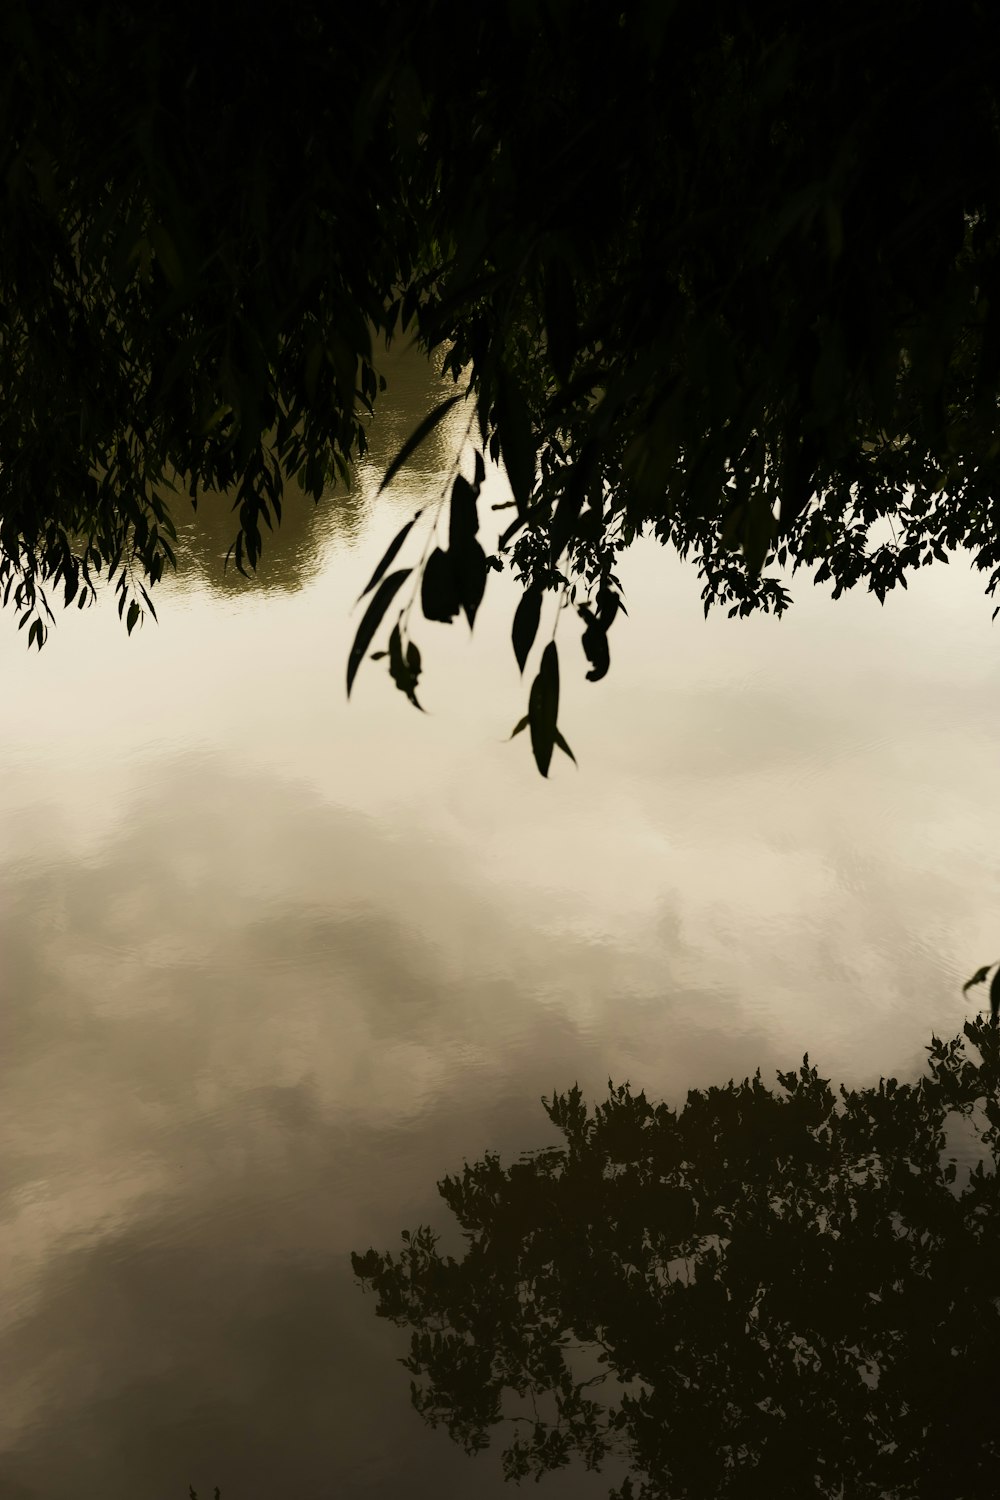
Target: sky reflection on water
[(272, 965)]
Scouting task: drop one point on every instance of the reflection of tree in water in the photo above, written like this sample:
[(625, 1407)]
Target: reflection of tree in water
[(292, 551), (413, 388), (767, 1294)]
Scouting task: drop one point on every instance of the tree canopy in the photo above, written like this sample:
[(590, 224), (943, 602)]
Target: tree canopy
[(727, 274), (777, 1292)]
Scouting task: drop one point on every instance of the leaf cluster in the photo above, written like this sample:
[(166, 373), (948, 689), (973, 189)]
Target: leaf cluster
[(450, 579), (725, 274), (187, 291)]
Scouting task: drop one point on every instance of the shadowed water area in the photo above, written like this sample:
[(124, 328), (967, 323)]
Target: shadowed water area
[(271, 966)]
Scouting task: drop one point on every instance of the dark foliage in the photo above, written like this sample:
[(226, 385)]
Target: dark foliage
[(727, 273)]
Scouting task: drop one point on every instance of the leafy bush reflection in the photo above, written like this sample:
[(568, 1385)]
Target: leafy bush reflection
[(775, 1293)]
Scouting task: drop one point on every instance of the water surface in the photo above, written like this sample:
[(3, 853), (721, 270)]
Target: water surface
[(271, 964)]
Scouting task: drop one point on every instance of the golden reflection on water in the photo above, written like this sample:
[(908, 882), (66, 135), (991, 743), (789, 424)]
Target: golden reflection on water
[(294, 552), (271, 965)]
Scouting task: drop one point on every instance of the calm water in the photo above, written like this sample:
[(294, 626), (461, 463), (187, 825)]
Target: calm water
[(272, 965)]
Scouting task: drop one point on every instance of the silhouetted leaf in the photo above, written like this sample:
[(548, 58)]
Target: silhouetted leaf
[(543, 708), (521, 724), (464, 517), (977, 978), (422, 431), (389, 556), (564, 747), (470, 571), (440, 596), (387, 591), (595, 645), (608, 605), (525, 626), (404, 668)]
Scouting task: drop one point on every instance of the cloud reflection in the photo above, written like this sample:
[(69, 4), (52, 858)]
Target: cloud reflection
[(235, 1049)]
